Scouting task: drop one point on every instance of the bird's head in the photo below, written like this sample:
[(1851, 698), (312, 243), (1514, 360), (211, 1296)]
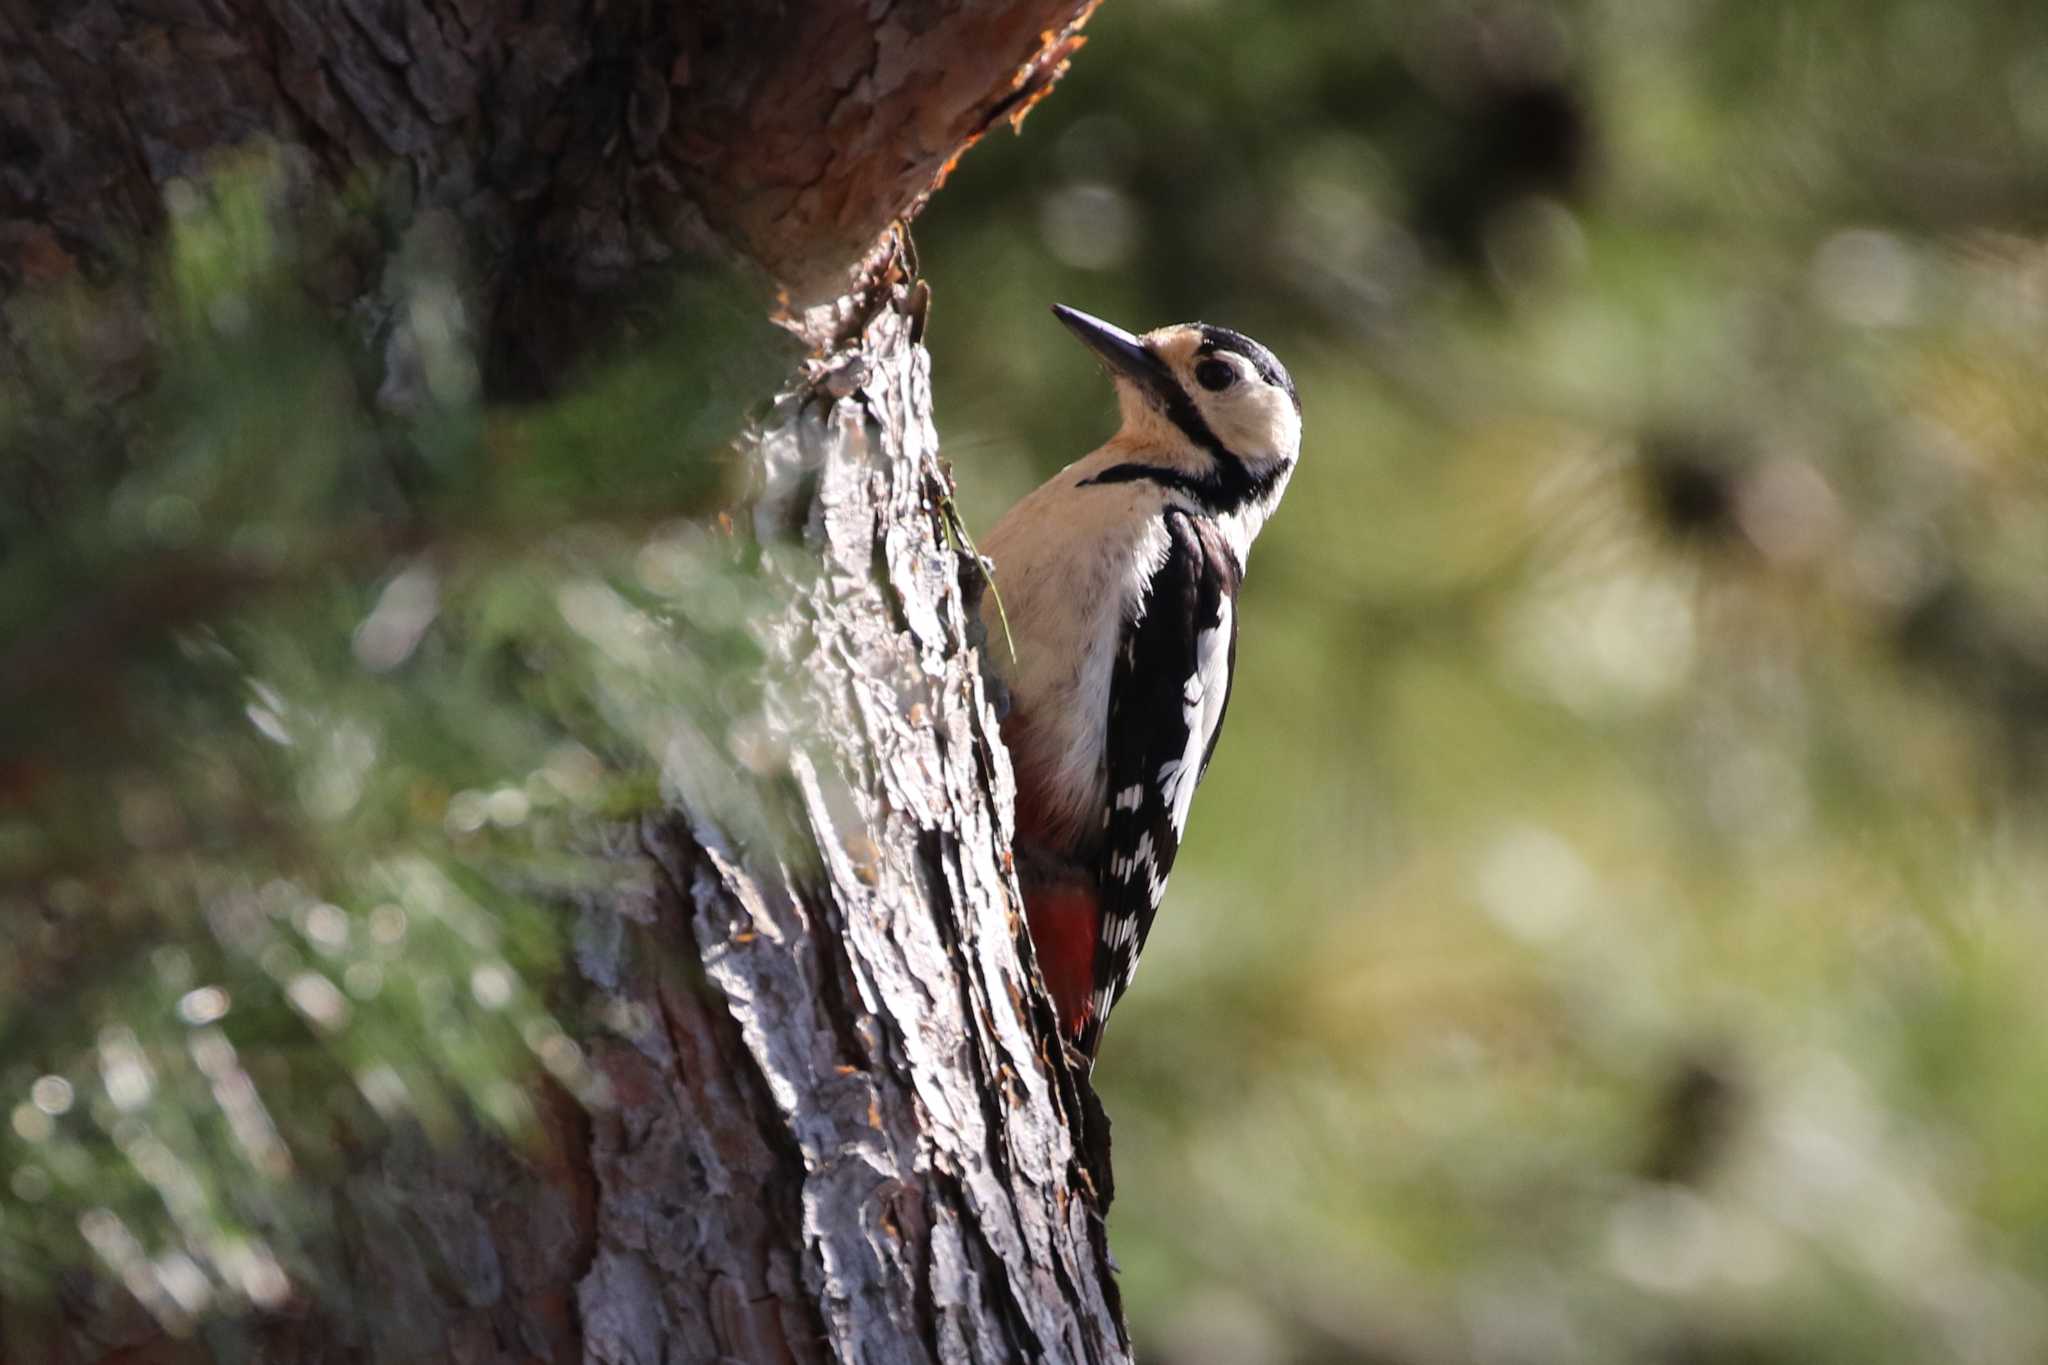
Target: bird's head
[(1212, 402)]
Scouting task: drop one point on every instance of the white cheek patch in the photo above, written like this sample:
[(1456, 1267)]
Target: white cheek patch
[(1287, 422), (1255, 419)]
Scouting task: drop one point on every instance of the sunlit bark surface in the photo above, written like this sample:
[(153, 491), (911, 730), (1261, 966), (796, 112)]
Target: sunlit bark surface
[(840, 1130)]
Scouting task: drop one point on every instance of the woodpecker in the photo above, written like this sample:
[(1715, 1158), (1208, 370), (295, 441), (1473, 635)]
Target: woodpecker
[(1114, 629)]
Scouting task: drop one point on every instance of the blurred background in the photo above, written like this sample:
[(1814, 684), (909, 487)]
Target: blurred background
[(1612, 928), (1613, 925)]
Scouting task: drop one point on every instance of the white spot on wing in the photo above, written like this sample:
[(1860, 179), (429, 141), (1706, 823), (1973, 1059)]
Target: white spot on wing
[(1142, 853)]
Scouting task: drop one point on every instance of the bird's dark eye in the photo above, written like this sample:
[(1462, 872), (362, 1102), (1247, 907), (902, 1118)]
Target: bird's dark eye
[(1215, 375)]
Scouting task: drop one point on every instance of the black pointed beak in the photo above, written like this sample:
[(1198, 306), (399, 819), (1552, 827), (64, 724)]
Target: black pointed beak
[(1120, 352)]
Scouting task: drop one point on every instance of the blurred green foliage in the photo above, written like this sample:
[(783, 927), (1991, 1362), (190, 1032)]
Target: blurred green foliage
[(1612, 928), (315, 673)]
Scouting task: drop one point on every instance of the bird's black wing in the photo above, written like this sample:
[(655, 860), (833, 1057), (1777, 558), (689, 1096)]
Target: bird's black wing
[(1167, 698)]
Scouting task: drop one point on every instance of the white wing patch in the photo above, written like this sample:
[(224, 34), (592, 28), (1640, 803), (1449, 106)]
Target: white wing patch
[(1125, 867), (1173, 662), (1203, 708)]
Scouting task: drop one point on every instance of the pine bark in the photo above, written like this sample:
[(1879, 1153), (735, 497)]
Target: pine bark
[(842, 1127)]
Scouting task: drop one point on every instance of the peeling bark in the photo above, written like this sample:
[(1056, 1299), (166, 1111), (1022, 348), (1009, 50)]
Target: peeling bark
[(902, 1153), (843, 1128)]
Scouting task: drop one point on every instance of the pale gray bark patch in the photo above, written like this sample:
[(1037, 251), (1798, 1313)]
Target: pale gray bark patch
[(621, 1305), (919, 1116)]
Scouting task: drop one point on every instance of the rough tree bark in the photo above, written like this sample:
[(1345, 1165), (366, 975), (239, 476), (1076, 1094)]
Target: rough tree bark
[(843, 1130)]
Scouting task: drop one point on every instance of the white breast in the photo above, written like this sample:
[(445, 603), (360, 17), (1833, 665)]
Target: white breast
[(1071, 562)]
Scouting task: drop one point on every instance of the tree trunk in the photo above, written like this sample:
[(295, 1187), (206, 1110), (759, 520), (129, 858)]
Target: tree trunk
[(841, 1125), (576, 141)]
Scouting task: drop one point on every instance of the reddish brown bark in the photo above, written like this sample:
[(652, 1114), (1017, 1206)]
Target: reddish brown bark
[(577, 142), (841, 1128)]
